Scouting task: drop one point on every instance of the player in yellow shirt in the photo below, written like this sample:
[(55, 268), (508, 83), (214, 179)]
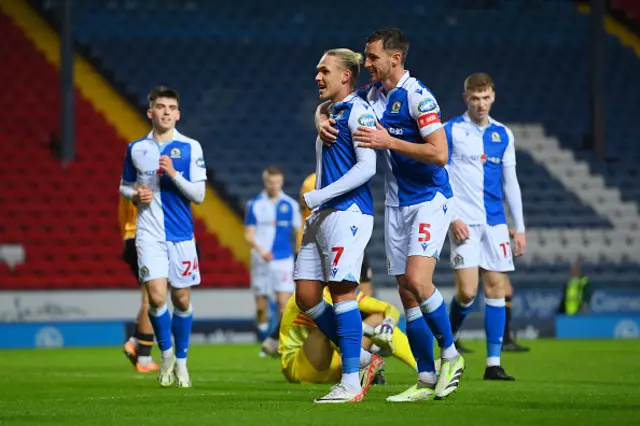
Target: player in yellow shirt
[(307, 355), (138, 347)]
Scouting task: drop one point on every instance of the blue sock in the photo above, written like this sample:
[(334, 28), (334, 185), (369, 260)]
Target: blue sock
[(181, 328), (263, 331), (435, 312), (420, 340), (349, 333), (495, 317), (459, 312), (324, 315), (161, 323)]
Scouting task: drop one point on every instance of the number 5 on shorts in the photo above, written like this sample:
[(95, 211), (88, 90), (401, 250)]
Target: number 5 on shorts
[(191, 267), (424, 231)]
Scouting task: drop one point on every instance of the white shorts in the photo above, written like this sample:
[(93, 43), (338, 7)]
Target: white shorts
[(418, 230), (488, 247), (176, 261), (333, 245), (272, 277)]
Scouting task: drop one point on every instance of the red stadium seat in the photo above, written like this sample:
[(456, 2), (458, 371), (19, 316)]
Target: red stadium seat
[(66, 217)]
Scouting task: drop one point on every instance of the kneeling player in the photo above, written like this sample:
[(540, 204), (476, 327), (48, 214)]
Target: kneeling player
[(308, 356)]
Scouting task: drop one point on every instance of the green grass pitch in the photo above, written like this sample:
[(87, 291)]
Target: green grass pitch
[(558, 383)]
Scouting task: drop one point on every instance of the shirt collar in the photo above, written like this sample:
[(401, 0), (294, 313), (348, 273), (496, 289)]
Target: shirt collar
[(467, 119), (266, 196), (176, 136), (401, 82)]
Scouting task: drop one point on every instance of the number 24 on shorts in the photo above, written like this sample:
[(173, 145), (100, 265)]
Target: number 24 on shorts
[(191, 267)]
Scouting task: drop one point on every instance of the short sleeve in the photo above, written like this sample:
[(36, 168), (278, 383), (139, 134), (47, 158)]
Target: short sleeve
[(424, 108), (250, 217), (198, 170), (361, 115), (129, 174), (509, 156)]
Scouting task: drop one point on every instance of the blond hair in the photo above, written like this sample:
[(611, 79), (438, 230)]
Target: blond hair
[(349, 60)]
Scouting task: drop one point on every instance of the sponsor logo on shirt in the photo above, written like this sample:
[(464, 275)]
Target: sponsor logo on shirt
[(367, 120), (427, 119), (200, 162), (395, 131), (427, 105)]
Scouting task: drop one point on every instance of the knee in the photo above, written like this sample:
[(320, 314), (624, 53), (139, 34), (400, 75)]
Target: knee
[(418, 285), (466, 294), (181, 300), (157, 297), (303, 301)]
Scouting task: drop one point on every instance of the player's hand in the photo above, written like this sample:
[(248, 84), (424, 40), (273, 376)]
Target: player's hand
[(520, 244), (378, 138), (326, 131), (460, 230), (143, 195), (512, 232), (383, 333), (166, 165), (267, 256)]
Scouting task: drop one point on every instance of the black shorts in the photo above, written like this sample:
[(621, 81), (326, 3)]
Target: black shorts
[(130, 256)]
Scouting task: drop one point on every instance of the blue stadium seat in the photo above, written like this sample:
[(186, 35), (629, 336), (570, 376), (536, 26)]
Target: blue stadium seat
[(246, 72)]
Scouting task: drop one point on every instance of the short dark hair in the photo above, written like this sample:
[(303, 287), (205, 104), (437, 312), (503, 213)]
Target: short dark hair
[(392, 39), (478, 82), (272, 171), (163, 92)]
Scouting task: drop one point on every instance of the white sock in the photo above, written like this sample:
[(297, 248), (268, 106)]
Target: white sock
[(263, 327), (133, 340), (450, 352), (493, 361), (352, 381), (181, 362), (144, 360), (167, 353), (428, 377), (365, 358)]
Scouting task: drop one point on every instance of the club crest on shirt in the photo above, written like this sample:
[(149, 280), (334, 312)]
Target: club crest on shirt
[(495, 137), (338, 116), (395, 107), (175, 153), (284, 208)]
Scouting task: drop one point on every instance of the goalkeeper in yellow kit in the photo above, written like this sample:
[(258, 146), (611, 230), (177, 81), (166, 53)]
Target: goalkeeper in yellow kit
[(308, 356)]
